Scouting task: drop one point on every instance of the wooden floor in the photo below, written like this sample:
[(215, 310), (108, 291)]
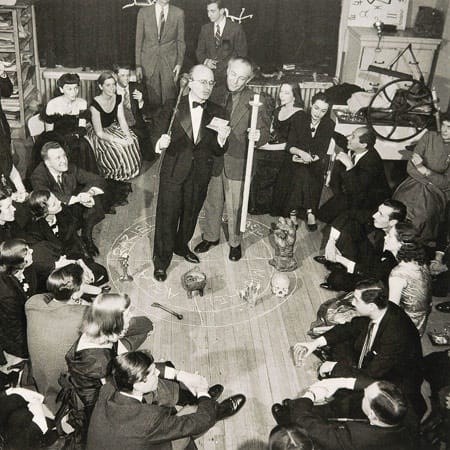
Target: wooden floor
[(247, 349)]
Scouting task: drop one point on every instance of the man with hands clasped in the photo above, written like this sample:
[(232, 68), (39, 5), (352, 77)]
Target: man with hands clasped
[(186, 168), (140, 411), (381, 343)]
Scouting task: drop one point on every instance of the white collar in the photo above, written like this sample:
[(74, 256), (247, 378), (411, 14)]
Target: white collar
[(54, 173), (221, 24), (137, 397)]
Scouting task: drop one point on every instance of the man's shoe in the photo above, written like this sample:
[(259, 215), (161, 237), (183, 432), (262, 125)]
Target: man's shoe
[(235, 253), (160, 275), (188, 256), (205, 245), (215, 391), (111, 210), (91, 248), (329, 265), (328, 287), (230, 406), (281, 414), (321, 259)]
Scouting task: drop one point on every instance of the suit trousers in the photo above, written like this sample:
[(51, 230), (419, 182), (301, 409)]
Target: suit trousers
[(160, 85), (223, 192), (177, 210)]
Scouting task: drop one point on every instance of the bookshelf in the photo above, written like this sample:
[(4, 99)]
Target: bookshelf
[(19, 54)]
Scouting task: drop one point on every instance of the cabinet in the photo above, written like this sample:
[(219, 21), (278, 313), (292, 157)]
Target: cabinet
[(18, 53), (363, 50)]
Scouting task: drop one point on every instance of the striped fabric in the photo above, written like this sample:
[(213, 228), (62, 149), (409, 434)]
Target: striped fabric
[(115, 161)]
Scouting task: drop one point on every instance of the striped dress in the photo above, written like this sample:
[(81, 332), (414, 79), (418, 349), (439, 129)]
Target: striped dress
[(115, 161)]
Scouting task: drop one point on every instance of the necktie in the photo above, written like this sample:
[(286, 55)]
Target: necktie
[(144, 401), (353, 157), (59, 181), (217, 37), (366, 347), (162, 22), (126, 98), (195, 104)]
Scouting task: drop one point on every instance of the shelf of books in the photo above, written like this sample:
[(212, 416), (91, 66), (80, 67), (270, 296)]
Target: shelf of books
[(19, 56)]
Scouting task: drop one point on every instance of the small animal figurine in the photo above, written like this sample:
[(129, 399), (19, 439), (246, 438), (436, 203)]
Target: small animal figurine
[(194, 282)]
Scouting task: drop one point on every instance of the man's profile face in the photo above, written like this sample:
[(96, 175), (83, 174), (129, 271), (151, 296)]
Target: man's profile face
[(353, 142), (238, 75), (382, 218), (57, 159), (445, 130), (150, 382), (214, 13), (361, 307), (201, 84), (123, 77)]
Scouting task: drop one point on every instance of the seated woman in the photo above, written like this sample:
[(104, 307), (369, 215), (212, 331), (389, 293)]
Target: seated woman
[(54, 224), (426, 191), (108, 329), (17, 284), (270, 157), (410, 280), (115, 146), (300, 180), (53, 323), (65, 120)]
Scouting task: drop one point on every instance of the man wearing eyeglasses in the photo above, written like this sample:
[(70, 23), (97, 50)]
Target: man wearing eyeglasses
[(186, 168), (226, 185)]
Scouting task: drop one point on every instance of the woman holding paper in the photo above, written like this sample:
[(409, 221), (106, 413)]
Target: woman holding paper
[(300, 179)]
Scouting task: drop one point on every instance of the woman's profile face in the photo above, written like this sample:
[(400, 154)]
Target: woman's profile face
[(286, 95), (53, 205), (28, 260), (319, 109), (70, 91), (109, 86)]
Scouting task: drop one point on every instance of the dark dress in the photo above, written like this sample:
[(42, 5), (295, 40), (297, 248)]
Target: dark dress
[(13, 323), (115, 161), (267, 166), (70, 135), (299, 186)]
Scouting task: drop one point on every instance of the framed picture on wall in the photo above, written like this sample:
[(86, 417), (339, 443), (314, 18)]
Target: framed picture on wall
[(364, 13)]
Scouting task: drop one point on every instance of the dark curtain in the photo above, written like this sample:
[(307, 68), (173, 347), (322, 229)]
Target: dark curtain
[(98, 33)]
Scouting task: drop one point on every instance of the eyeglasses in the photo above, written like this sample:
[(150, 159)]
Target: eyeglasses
[(205, 83), (241, 79)]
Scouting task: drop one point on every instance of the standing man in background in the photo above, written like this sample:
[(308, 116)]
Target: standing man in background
[(219, 41), (160, 50)]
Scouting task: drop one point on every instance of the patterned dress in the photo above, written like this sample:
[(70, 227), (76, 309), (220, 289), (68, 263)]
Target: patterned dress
[(115, 161), (416, 295)]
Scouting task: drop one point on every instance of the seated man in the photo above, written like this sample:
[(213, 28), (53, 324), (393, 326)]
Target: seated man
[(357, 246), (383, 405), (73, 187), (358, 179), (138, 414), (381, 344), (133, 100)]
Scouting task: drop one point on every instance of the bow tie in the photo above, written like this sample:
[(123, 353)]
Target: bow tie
[(202, 105)]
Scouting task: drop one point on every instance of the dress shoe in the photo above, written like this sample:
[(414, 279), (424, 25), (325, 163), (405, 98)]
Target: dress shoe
[(281, 414), (329, 265), (111, 210), (321, 259), (160, 275), (230, 406), (328, 287), (205, 245), (235, 253), (188, 256), (311, 226), (90, 246), (215, 391)]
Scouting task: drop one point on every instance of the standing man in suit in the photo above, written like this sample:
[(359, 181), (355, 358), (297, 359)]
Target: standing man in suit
[(219, 41), (361, 182), (160, 49), (381, 343), (133, 100), (74, 187), (384, 406), (226, 185), (186, 168), (136, 413)]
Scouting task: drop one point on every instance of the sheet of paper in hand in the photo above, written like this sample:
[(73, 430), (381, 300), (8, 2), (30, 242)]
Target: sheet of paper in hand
[(217, 123)]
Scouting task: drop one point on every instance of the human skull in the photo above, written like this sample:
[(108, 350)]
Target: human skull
[(280, 284)]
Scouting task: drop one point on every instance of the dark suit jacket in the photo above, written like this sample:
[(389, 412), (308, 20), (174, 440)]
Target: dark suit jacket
[(235, 158), (365, 185), (183, 153), (75, 180), (137, 112), (395, 356), (120, 422), (232, 44), (149, 49), (348, 435), (6, 89)]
